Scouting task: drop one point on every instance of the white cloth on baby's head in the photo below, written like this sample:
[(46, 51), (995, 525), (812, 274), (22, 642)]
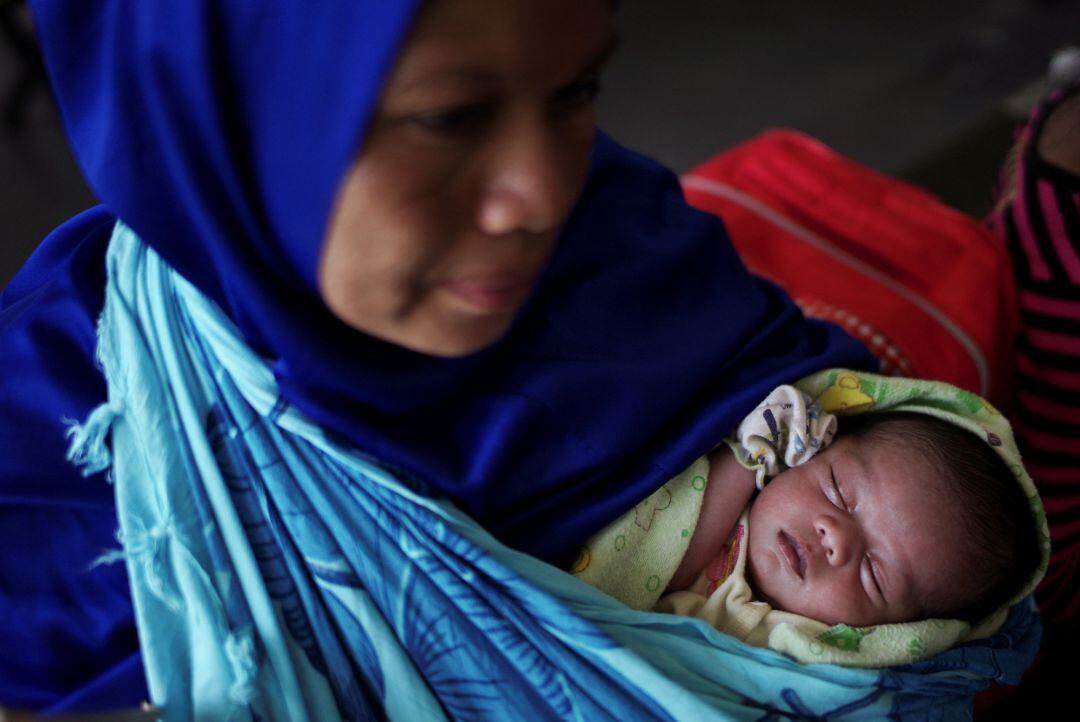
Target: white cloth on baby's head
[(785, 430)]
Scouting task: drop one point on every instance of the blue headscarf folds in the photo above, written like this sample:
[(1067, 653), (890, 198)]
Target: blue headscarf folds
[(219, 132)]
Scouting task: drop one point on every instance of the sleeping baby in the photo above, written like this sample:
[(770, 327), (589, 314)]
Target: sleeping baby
[(913, 529)]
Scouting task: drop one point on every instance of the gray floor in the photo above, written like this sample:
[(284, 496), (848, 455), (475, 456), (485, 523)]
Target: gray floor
[(898, 86)]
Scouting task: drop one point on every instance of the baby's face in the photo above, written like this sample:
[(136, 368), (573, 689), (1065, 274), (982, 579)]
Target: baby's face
[(864, 533)]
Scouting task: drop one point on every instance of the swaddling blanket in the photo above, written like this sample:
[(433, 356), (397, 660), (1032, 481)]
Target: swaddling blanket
[(280, 575)]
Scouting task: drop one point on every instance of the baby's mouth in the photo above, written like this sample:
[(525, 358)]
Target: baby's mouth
[(793, 552)]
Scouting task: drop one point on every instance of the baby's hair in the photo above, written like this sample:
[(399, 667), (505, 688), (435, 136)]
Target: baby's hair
[(1003, 550)]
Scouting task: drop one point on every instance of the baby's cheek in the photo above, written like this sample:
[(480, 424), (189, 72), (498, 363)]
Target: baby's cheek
[(763, 569)]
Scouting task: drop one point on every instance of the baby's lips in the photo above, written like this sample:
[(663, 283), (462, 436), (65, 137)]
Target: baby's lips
[(793, 553)]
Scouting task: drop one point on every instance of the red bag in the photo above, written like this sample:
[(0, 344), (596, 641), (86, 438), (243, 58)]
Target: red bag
[(925, 287)]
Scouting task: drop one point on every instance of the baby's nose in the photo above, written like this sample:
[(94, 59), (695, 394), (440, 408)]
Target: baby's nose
[(836, 538)]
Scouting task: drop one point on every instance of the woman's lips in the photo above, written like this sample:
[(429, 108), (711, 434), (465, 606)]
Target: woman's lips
[(491, 294), (793, 552)]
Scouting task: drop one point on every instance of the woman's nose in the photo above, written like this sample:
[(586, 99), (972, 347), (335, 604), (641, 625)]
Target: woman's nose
[(531, 186), (838, 539)]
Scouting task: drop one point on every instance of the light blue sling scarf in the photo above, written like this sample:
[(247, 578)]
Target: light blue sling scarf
[(278, 574)]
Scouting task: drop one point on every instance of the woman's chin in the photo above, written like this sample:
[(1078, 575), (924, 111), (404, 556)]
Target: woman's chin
[(454, 337)]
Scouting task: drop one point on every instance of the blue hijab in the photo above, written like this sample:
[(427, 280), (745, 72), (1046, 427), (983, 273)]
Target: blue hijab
[(219, 132)]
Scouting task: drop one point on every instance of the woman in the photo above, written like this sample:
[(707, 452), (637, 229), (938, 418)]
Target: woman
[(405, 212)]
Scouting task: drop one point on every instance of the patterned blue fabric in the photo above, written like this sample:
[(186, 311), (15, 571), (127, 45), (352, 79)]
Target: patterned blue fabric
[(280, 574)]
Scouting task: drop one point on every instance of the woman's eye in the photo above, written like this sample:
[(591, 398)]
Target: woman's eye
[(579, 94), (456, 121)]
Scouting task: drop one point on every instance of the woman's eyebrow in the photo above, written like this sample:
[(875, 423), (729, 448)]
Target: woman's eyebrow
[(441, 75), (480, 75)]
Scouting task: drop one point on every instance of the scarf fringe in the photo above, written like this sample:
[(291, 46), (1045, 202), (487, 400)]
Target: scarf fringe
[(240, 651), (88, 449)]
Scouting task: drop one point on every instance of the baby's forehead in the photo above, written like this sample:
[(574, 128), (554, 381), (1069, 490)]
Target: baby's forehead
[(888, 455)]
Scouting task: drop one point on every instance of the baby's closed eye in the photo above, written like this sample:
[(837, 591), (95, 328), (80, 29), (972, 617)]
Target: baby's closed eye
[(872, 578), (836, 497)]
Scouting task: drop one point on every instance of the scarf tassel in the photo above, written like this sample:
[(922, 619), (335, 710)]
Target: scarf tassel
[(88, 448)]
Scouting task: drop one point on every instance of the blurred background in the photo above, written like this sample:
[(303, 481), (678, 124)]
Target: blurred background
[(925, 89)]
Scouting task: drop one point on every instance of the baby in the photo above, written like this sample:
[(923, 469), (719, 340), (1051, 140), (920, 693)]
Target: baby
[(903, 517)]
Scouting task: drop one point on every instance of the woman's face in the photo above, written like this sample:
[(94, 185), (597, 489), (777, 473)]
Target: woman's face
[(474, 158)]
